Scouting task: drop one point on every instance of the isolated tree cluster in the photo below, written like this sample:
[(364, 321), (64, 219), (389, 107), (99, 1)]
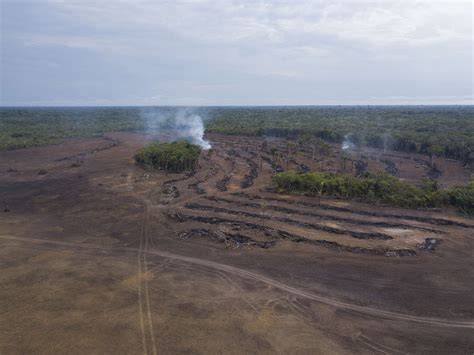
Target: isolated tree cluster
[(173, 157)]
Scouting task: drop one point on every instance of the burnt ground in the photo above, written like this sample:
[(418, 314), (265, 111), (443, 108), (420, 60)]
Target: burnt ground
[(100, 256)]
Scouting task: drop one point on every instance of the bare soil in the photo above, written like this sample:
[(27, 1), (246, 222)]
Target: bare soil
[(99, 256)]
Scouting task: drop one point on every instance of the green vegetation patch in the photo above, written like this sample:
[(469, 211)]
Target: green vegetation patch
[(174, 157), (376, 187)]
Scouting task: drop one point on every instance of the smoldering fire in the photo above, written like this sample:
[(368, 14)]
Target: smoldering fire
[(182, 122)]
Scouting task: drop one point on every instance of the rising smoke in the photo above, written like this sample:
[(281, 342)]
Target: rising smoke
[(347, 142), (180, 123), (192, 127)]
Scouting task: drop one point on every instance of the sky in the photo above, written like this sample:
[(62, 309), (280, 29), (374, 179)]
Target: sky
[(192, 53)]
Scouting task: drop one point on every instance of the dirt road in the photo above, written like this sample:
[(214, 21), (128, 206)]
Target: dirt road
[(250, 275)]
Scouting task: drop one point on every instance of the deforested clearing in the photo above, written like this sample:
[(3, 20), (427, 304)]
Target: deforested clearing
[(185, 247)]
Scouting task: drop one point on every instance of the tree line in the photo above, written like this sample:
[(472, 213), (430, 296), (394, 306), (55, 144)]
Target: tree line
[(446, 131), (378, 188)]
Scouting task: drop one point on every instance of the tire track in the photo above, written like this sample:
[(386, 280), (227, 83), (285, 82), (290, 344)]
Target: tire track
[(145, 263), (374, 346), (139, 262), (139, 286), (440, 322), (380, 347)]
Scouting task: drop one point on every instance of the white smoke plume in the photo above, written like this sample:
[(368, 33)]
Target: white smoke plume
[(182, 123), (191, 127), (347, 142)]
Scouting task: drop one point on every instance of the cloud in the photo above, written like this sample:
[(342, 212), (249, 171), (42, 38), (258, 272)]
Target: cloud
[(213, 51), (223, 22)]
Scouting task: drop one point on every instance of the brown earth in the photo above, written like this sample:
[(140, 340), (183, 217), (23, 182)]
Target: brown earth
[(99, 256)]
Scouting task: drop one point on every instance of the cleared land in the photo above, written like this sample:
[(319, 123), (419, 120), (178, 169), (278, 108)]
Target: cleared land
[(101, 256)]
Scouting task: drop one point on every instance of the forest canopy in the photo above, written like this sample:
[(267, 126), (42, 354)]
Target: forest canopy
[(174, 157)]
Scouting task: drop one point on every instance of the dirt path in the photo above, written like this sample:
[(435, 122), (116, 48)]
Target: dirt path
[(469, 324), (139, 287), (144, 252)]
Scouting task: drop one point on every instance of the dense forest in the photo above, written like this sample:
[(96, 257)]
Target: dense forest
[(25, 127), (378, 188), (446, 131), (174, 157)]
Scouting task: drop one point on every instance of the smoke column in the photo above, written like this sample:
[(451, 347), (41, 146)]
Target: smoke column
[(182, 122), (192, 128), (347, 143)]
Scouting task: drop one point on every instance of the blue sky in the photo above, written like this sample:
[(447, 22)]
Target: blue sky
[(236, 53)]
